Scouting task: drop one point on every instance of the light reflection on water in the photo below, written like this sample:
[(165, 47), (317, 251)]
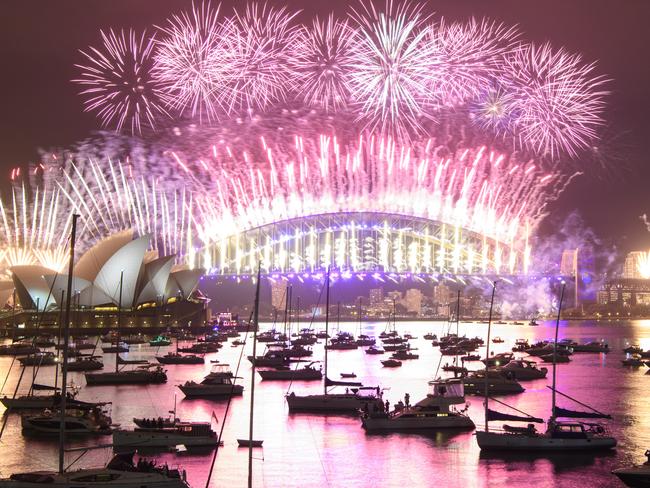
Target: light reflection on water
[(316, 450)]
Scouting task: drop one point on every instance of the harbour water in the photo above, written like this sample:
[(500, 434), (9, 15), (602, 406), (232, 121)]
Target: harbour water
[(306, 450)]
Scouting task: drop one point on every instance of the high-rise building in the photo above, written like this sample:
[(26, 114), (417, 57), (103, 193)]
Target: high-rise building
[(413, 301), (569, 263), (441, 294), (376, 296), (278, 294)]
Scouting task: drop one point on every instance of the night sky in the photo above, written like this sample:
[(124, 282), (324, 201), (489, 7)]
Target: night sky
[(39, 106)]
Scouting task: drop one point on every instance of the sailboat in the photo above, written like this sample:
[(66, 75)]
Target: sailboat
[(251, 442), (560, 435), (145, 374), (121, 471), (354, 399)]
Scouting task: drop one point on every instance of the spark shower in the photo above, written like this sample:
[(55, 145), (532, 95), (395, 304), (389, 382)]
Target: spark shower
[(388, 140)]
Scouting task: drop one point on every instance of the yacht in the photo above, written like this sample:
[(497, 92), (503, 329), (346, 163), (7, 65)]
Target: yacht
[(634, 361), (189, 434), (42, 402), (160, 341), (93, 421), (19, 349), (522, 370), (85, 364), (593, 346), (219, 383), (497, 384), (120, 472), (391, 363), (39, 359), (365, 340), (176, 358), (272, 357), (145, 374), (375, 350), (306, 373), (404, 354), (500, 359), (436, 411)]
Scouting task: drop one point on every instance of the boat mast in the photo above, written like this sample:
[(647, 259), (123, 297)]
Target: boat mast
[(487, 355), (287, 290), (119, 323), (327, 322), (256, 315), (457, 326), (557, 328), (66, 340)]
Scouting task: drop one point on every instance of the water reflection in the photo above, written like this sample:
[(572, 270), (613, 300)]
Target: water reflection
[(302, 449)]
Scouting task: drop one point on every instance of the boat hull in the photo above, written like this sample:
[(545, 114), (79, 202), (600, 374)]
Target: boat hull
[(417, 424), (98, 379), (329, 403), (291, 375), (123, 438), (208, 391), (102, 479), (637, 477), (499, 441)]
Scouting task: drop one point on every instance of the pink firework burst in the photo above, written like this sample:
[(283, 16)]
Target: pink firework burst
[(118, 84), (190, 62), (258, 47), (466, 58), (392, 68), (323, 64), (559, 103)]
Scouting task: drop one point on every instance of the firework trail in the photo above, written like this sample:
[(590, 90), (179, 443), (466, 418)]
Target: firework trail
[(118, 84), (323, 64), (189, 62)]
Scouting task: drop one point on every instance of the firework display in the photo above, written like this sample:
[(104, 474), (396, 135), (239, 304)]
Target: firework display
[(254, 119)]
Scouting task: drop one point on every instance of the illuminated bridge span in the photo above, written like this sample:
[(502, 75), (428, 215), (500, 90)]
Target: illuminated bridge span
[(363, 242)]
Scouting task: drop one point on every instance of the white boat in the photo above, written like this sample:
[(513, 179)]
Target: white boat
[(436, 411), (287, 373), (120, 472), (189, 434), (219, 383)]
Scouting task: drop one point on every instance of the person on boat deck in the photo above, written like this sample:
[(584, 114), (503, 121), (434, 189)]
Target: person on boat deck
[(399, 406), (407, 399)]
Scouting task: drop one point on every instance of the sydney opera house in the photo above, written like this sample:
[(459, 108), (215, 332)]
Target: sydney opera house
[(117, 272)]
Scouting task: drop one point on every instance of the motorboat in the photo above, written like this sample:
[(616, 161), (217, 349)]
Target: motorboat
[(189, 434), (633, 349), (593, 346), (497, 384), (391, 363), (375, 350), (457, 370), (634, 361), (521, 345), (218, 383), (500, 359), (270, 358), (201, 348), (365, 340), (635, 476), (144, 374), (92, 363), (533, 322), (436, 411), (76, 421), (286, 373), (430, 336), (39, 359), (19, 349), (42, 402), (396, 347), (176, 358), (348, 375), (160, 341), (471, 357), (517, 322), (522, 370), (498, 340), (404, 354)]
